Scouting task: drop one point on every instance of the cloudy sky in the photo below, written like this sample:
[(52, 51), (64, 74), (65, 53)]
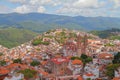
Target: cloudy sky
[(92, 8)]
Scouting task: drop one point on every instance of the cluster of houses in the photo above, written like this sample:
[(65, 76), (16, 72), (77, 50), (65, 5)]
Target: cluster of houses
[(56, 63), (3, 49)]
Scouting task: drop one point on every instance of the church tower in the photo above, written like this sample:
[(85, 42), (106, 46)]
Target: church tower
[(79, 45), (85, 44)]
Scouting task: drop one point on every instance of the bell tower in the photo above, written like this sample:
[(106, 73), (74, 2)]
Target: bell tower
[(85, 44), (79, 45)]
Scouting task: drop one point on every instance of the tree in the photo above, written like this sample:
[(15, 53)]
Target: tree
[(88, 78), (74, 57), (116, 59), (85, 59), (2, 63), (34, 63), (17, 61), (28, 73), (110, 70), (72, 35), (1, 54), (39, 41)]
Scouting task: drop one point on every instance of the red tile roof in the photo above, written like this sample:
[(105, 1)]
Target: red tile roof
[(89, 74), (105, 56), (44, 62), (76, 61), (12, 65), (59, 60), (4, 71), (116, 78), (80, 78)]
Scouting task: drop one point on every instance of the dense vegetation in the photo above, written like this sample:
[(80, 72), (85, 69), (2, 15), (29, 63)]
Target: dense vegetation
[(35, 63), (39, 41), (11, 37), (59, 37), (17, 60), (1, 54), (63, 36), (111, 33), (116, 59), (2, 62), (110, 69), (28, 73)]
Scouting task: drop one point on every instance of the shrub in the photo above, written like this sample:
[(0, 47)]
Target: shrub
[(34, 63), (17, 60), (28, 73), (2, 63), (39, 41)]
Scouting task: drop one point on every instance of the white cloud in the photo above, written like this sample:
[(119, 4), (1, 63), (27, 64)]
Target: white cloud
[(85, 3), (34, 2), (33, 5), (29, 8), (40, 2), (116, 3), (22, 9), (82, 12), (41, 9), (69, 7), (44, 2), (81, 7)]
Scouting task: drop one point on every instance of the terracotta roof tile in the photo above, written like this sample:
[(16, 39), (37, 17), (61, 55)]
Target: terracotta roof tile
[(76, 61), (89, 74), (116, 78), (44, 62), (105, 56), (4, 71), (59, 60), (80, 78)]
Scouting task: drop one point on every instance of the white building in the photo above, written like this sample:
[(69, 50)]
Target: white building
[(117, 73), (75, 66), (91, 71), (105, 58), (17, 76)]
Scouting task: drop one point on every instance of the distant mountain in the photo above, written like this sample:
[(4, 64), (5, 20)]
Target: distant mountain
[(113, 33), (11, 37), (42, 22)]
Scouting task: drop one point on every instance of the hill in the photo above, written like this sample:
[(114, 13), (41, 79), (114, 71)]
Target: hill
[(11, 37), (42, 22), (113, 33)]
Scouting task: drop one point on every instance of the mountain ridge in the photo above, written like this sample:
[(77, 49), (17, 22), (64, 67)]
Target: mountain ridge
[(41, 21)]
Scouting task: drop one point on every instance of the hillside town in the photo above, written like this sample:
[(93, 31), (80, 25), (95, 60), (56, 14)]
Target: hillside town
[(62, 54)]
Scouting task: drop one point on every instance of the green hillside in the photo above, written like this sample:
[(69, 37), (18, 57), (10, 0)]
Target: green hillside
[(113, 33), (11, 37), (42, 27)]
